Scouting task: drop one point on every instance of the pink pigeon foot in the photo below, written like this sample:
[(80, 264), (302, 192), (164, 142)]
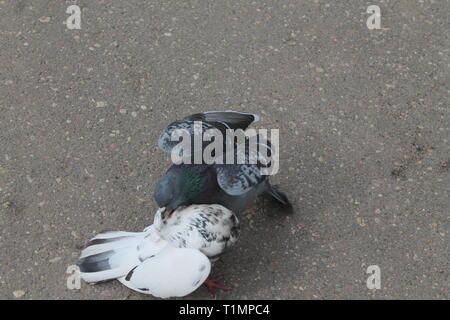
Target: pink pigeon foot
[(213, 284)]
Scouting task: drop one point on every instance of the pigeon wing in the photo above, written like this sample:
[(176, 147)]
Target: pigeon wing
[(173, 272), (225, 119), (237, 179), (220, 120)]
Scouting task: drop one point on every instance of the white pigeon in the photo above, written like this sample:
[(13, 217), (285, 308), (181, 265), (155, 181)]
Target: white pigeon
[(170, 258)]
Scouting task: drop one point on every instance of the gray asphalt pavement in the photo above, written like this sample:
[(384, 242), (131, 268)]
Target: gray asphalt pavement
[(364, 135)]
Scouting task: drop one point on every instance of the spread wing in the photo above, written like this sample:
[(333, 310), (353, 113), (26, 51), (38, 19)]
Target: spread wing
[(197, 124), (247, 170)]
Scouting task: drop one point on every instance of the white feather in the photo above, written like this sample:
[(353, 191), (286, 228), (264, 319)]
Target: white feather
[(168, 259), (173, 272), (175, 229)]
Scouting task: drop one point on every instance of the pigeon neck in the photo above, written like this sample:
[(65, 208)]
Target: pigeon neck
[(191, 185)]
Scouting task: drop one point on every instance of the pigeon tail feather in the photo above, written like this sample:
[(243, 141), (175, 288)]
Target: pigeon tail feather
[(280, 197), (111, 255)]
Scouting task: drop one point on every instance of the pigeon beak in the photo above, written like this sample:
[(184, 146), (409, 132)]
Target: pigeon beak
[(168, 212)]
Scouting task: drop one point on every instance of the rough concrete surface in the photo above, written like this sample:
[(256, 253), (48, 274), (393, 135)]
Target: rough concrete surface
[(364, 133)]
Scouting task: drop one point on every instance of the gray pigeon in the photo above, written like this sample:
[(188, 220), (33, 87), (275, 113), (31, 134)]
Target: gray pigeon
[(234, 186)]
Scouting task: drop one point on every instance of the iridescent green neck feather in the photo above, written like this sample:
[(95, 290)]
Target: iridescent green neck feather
[(191, 185)]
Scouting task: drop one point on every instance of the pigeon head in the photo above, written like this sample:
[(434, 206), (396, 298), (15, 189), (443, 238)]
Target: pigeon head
[(176, 189), (167, 194)]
